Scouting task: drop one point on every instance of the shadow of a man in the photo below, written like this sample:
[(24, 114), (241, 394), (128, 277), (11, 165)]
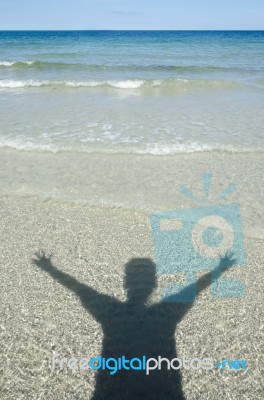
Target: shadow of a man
[(133, 329)]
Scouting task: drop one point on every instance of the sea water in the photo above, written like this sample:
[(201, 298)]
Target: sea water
[(151, 92), (124, 119)]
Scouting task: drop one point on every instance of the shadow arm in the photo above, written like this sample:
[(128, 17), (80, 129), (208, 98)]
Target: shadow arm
[(206, 280), (184, 300), (92, 300), (44, 263)]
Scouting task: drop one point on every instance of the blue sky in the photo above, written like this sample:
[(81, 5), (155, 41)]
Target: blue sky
[(131, 14)]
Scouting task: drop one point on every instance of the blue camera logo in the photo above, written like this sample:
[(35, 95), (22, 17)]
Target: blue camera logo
[(190, 240)]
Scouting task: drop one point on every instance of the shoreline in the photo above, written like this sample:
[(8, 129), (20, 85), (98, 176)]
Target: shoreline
[(144, 184)]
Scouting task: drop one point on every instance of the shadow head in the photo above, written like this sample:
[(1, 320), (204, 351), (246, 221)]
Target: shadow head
[(140, 279)]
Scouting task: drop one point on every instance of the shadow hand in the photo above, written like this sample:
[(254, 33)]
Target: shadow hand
[(226, 262), (41, 260)]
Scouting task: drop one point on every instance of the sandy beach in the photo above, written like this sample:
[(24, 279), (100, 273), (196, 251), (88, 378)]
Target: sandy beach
[(40, 317), (131, 165)]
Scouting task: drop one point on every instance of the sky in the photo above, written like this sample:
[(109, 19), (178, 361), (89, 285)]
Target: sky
[(132, 14)]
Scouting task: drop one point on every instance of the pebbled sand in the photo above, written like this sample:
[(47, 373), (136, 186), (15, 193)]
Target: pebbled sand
[(39, 316)]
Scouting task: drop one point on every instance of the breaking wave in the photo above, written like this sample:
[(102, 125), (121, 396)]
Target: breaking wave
[(158, 149), (170, 84)]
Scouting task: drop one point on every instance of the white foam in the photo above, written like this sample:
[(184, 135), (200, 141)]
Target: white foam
[(155, 150), (10, 84), (129, 84), (11, 63), (7, 63), (165, 149), (194, 147), (26, 146)]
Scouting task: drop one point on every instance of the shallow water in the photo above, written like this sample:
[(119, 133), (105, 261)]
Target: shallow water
[(124, 119), (132, 92)]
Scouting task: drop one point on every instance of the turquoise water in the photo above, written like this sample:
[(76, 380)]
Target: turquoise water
[(132, 92)]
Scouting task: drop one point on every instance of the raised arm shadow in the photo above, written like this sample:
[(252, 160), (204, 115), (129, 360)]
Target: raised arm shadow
[(134, 329), (95, 302), (190, 292)]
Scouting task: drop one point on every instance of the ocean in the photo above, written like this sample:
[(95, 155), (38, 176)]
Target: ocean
[(124, 119), (132, 92)]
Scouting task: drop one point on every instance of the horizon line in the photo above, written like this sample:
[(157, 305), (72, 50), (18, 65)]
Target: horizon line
[(131, 30)]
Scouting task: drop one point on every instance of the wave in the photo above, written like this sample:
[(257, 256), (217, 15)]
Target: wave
[(168, 84), (128, 84), (194, 147), (15, 63), (151, 149), (37, 64)]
